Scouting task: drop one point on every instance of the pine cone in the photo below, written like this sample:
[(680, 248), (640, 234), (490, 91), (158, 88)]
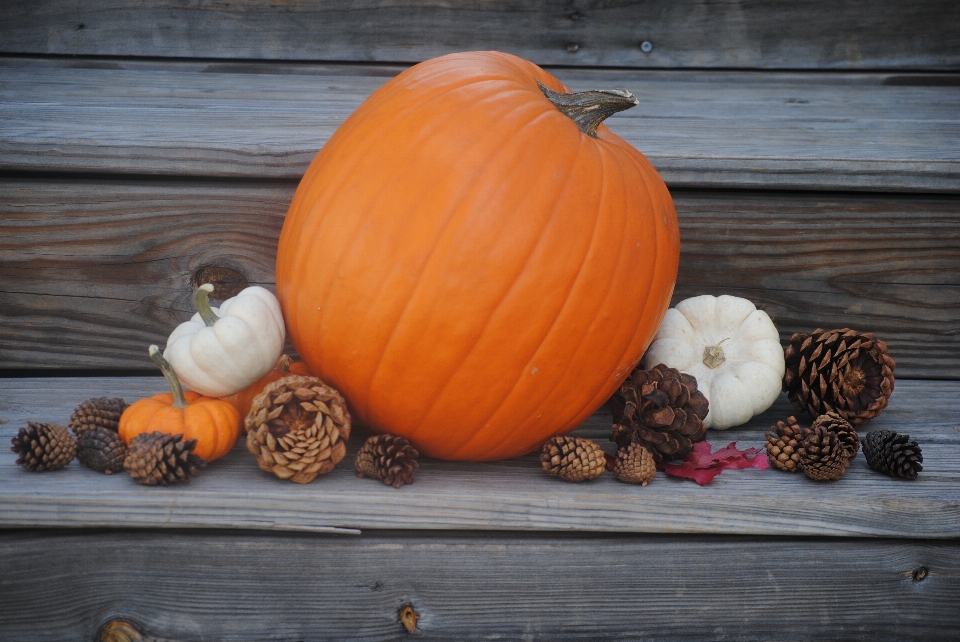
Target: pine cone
[(635, 465), (389, 458), (840, 371), (783, 444), (42, 446), (892, 454), (821, 455), (573, 459), (99, 412), (156, 458), (846, 433), (297, 428), (660, 409), (102, 450)]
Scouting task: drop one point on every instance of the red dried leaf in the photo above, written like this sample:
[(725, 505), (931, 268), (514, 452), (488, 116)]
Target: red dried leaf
[(702, 465)]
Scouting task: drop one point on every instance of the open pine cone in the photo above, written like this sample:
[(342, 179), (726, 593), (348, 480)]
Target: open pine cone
[(840, 371), (893, 454), (822, 455), (159, 459), (98, 412), (660, 409), (635, 465), (297, 428), (41, 446), (389, 458)]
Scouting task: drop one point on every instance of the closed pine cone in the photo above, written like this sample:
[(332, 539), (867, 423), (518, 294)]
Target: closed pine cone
[(840, 371), (660, 409), (573, 459), (783, 444), (635, 465), (893, 454), (102, 450), (99, 412), (389, 458), (821, 455), (846, 433), (159, 459), (41, 446), (297, 428)]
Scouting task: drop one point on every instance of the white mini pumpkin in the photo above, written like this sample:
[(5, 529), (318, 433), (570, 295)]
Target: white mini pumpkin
[(220, 352), (731, 347)]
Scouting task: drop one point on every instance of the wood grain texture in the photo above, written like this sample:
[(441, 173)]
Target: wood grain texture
[(219, 586), (858, 34), (93, 271), (511, 495), (718, 129)]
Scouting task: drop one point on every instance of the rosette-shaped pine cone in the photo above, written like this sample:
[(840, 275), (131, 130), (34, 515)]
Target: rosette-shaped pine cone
[(892, 454), (635, 465), (102, 450), (846, 433), (840, 371), (573, 459), (159, 459), (41, 446), (660, 409), (783, 444), (821, 455), (389, 458), (297, 428), (99, 412)]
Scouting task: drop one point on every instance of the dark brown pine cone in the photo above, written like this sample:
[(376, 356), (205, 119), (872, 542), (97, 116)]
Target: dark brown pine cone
[(892, 454), (41, 446), (783, 444), (660, 409), (846, 433), (840, 371), (297, 428), (99, 412), (573, 459), (635, 465), (821, 455), (389, 458), (102, 450), (156, 458)]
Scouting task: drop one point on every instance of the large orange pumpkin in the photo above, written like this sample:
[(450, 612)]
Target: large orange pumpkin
[(470, 267)]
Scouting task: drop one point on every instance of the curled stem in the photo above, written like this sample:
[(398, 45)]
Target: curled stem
[(201, 299)]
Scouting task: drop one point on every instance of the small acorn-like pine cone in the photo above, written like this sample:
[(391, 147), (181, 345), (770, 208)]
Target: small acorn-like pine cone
[(635, 465), (41, 446), (298, 428), (843, 370), (99, 412), (389, 458), (846, 433), (783, 444), (891, 453), (821, 455), (156, 458), (102, 450), (573, 459)]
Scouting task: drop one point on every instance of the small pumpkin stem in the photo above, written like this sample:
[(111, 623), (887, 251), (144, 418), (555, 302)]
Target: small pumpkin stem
[(590, 108), (713, 356), (284, 364), (202, 300), (179, 401)]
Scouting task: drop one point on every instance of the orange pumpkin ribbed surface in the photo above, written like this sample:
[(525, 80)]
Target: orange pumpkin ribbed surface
[(469, 266)]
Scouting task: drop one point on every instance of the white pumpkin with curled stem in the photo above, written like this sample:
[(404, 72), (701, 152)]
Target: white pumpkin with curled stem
[(219, 352), (732, 348)]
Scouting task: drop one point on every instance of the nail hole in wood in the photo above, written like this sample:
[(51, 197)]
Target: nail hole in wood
[(408, 618), (920, 573), (226, 282)]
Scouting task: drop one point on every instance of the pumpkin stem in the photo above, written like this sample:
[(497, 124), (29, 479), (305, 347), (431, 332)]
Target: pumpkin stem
[(284, 364), (590, 108), (713, 356), (179, 401), (202, 300)]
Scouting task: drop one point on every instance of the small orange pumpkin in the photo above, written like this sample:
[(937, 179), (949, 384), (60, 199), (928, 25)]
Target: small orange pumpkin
[(285, 367), (214, 423)]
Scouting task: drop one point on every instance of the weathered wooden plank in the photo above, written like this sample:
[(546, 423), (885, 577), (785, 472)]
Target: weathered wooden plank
[(92, 271), (188, 586), (776, 34), (721, 129), (513, 495)]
